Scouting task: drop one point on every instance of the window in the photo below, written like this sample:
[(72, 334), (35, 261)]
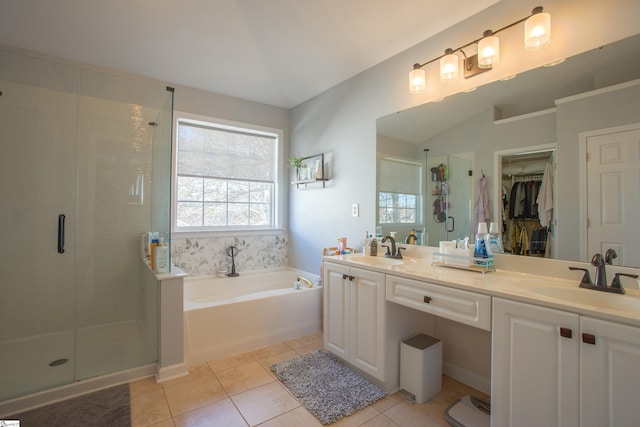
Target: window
[(395, 208), (226, 176), (399, 189)]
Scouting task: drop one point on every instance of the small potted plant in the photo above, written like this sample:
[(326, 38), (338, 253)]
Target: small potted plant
[(298, 163)]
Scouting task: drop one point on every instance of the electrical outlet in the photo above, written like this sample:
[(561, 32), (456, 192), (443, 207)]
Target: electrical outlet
[(355, 210)]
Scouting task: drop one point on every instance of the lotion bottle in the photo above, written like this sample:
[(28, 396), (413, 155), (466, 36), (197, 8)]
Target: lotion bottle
[(161, 254)]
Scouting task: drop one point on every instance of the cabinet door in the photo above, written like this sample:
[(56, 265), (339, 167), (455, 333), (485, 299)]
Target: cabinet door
[(367, 312), (534, 368), (336, 309), (609, 374)]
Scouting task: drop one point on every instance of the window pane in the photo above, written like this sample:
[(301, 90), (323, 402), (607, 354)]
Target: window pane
[(189, 214), (260, 192), (215, 215), (238, 214), (189, 189), (215, 190), (260, 214), (238, 191)]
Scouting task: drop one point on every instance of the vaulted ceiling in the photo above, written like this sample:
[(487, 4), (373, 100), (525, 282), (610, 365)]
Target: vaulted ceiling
[(277, 52)]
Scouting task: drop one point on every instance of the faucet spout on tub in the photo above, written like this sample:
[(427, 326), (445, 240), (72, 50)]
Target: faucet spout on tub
[(304, 280)]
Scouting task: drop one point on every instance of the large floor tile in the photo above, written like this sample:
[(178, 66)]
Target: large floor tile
[(145, 385), (299, 417), (230, 362), (149, 408), (270, 351), (265, 402), (194, 394), (222, 413), (243, 378)]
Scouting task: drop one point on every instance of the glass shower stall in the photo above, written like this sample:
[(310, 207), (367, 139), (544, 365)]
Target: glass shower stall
[(85, 170)]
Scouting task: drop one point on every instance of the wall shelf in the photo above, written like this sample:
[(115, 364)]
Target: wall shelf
[(316, 172)]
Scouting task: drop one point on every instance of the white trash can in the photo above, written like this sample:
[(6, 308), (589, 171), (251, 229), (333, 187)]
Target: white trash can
[(420, 368)]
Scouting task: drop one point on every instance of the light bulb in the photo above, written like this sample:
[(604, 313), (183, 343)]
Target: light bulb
[(448, 66), (537, 29), (417, 80), (488, 50)]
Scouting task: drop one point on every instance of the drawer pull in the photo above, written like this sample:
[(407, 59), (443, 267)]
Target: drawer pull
[(427, 299), (589, 339), (566, 333)]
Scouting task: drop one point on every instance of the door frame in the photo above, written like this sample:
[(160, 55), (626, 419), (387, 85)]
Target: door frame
[(584, 220)]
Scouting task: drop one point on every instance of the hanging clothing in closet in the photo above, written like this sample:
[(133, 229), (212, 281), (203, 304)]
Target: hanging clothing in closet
[(523, 199), (545, 197)]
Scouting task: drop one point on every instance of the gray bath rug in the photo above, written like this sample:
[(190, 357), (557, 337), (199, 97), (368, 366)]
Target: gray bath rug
[(326, 387), (109, 407)]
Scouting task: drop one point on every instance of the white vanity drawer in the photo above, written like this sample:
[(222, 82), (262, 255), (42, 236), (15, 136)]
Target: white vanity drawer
[(462, 306)]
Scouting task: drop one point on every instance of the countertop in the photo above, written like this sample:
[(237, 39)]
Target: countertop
[(513, 285)]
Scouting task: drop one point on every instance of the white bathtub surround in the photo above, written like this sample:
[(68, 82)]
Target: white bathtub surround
[(226, 316), (203, 256)]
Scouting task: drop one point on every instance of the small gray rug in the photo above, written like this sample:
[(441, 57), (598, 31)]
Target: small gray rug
[(326, 387), (109, 408)]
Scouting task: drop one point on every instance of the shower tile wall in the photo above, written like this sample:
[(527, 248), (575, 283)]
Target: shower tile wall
[(204, 256)]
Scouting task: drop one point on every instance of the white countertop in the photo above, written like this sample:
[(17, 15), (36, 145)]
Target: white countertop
[(524, 287)]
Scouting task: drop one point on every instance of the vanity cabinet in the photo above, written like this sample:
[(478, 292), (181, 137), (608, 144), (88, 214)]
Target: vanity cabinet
[(354, 317), (534, 366), (554, 368), (609, 374)]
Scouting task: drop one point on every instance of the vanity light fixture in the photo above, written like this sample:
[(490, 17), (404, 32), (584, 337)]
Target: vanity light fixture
[(537, 33)]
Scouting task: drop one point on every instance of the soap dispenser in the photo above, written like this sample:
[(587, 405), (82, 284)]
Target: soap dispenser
[(374, 247)]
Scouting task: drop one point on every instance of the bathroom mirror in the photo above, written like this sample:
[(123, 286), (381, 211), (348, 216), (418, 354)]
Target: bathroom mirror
[(553, 106)]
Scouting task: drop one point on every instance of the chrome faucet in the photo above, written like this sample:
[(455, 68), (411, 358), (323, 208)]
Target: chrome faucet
[(601, 271), (395, 250)]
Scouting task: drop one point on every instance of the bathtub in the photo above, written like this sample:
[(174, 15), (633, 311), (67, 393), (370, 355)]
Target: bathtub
[(230, 315)]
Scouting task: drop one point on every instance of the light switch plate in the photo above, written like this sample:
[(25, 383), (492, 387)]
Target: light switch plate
[(355, 210)]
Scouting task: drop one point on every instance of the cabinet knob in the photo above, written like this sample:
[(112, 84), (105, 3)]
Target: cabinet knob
[(345, 277), (351, 278), (588, 338), (427, 299), (566, 333)]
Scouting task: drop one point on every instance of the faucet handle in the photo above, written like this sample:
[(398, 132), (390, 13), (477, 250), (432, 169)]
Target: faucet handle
[(398, 253), (586, 278), (387, 252), (617, 284)]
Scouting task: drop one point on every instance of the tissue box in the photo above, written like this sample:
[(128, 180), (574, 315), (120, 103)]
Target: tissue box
[(457, 256)]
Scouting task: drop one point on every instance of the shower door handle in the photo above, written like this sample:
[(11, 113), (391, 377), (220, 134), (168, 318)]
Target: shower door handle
[(453, 224), (61, 219)]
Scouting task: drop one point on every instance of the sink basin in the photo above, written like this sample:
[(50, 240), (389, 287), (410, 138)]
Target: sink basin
[(590, 297), (375, 260)]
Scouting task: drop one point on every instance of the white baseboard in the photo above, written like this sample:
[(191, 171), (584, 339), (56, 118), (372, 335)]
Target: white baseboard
[(465, 377), (171, 372)]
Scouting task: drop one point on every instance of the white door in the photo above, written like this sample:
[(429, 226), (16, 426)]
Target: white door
[(336, 309), (609, 374), (534, 367), (613, 193), (367, 312)]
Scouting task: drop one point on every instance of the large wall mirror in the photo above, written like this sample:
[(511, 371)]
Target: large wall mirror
[(581, 116)]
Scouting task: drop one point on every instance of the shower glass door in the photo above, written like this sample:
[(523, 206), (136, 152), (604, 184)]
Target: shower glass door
[(38, 107), (117, 118)]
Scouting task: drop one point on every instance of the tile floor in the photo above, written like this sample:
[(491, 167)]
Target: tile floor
[(242, 391)]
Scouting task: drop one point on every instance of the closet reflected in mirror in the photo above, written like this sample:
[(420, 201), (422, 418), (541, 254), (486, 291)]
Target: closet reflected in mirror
[(527, 200)]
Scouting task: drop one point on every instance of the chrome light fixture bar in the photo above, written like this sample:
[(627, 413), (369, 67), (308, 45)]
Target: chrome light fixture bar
[(537, 33)]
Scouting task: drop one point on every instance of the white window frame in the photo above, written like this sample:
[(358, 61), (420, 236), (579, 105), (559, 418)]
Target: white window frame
[(278, 208)]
